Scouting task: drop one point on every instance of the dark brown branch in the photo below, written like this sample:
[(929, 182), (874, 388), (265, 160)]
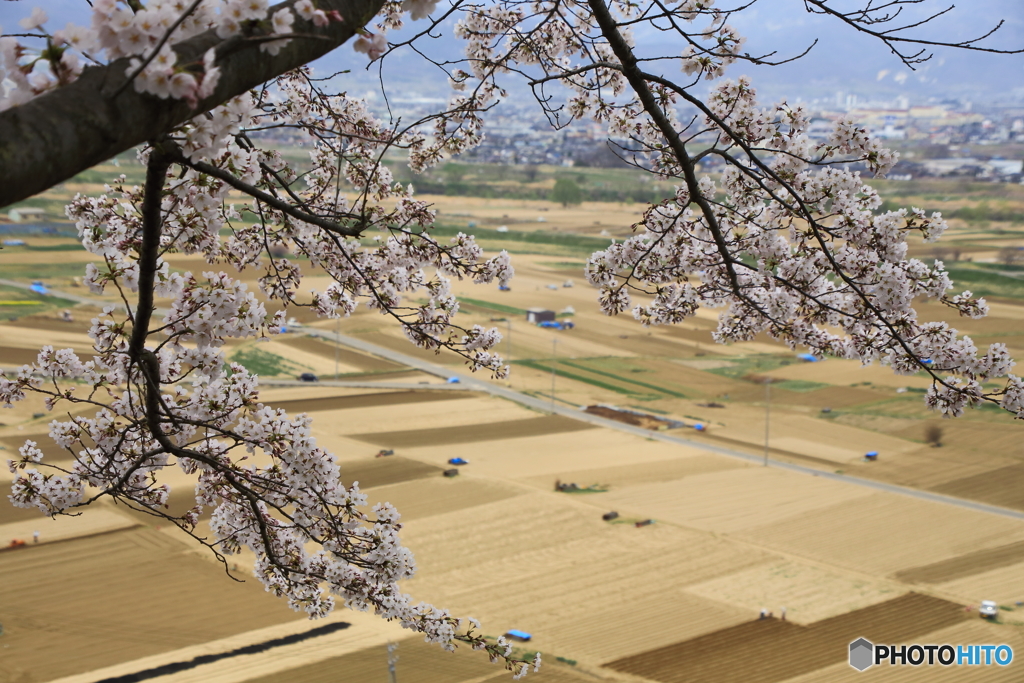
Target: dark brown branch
[(636, 79), (72, 128), (862, 20), (269, 199)]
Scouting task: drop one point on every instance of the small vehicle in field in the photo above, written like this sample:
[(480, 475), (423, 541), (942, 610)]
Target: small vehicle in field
[(988, 610), (308, 377)]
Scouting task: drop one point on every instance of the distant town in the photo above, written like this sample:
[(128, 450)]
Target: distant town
[(936, 138)]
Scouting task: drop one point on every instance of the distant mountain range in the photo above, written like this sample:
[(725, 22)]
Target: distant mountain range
[(843, 60)]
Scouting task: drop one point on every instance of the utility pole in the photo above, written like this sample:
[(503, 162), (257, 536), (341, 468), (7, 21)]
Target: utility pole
[(392, 660), (554, 359), (767, 414), (508, 349)]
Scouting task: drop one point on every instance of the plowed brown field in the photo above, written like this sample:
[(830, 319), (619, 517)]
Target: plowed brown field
[(769, 651), (9, 513), (638, 342), (493, 431), (402, 345), (970, 631), (11, 356), (84, 604), (43, 441), (388, 398), (1004, 486), (965, 565), (368, 472), (1001, 584), (393, 469), (440, 495), (618, 476), (345, 355)]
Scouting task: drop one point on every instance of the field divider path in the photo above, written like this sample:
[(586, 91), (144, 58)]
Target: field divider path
[(471, 383)]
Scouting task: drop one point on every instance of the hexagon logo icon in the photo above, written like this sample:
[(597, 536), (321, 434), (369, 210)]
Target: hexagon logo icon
[(862, 654)]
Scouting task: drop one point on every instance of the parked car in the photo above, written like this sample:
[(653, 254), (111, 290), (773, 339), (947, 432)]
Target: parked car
[(308, 377), (988, 610)]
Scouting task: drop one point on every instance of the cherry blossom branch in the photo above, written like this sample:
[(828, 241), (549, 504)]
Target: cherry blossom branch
[(156, 48), (280, 205), (861, 20), (636, 80), (65, 131)]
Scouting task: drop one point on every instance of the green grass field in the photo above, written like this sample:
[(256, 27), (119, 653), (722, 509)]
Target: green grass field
[(266, 364)]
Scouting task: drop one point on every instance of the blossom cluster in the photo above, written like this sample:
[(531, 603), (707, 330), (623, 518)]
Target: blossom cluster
[(176, 401), (789, 240), (146, 35)]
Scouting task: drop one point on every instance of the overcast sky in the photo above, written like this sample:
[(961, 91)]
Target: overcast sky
[(842, 60)]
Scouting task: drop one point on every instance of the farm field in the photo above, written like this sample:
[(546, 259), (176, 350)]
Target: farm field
[(73, 606), (772, 651), (971, 631), (417, 662), (730, 538), (605, 600)]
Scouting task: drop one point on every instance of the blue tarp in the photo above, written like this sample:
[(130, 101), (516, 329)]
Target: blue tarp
[(516, 633), (809, 357), (454, 380), (38, 287), (458, 461)]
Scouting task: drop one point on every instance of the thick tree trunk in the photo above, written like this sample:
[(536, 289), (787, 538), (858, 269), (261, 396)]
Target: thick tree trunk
[(68, 130)]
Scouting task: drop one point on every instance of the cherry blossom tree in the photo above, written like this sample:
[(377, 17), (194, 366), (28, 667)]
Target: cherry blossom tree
[(787, 240)]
